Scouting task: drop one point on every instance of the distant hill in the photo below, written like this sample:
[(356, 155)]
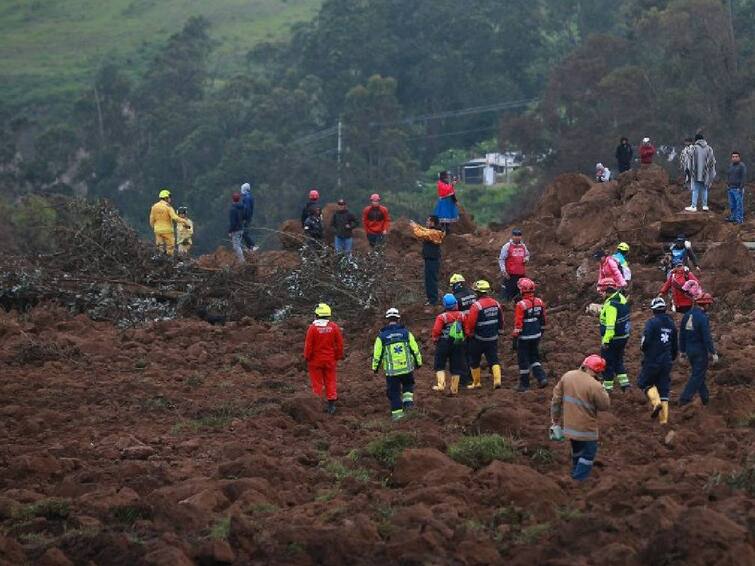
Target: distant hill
[(49, 48)]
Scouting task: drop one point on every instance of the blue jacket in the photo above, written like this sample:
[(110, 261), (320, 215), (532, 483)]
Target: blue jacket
[(659, 341), (236, 217), (694, 333), (247, 201)]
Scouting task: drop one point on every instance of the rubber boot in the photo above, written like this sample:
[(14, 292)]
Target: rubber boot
[(655, 401), (455, 384), (475, 379), (663, 418), (331, 407), (408, 401), (440, 376), (496, 376)]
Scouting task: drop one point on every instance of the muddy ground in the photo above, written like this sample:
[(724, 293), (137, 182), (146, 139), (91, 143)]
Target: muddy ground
[(180, 442)]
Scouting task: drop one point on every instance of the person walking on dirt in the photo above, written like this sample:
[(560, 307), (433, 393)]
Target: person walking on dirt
[(236, 226), (736, 177), (431, 237), (577, 398), (614, 334), (681, 251), (685, 162), (343, 223), (696, 343), (448, 336), (703, 171), (624, 154), (659, 346), (185, 232), (512, 262), (621, 255), (647, 152), (602, 173), (483, 325), (610, 269), (529, 325), (465, 298), (376, 221), (680, 274), (161, 219), (313, 202), (323, 347), (247, 199), (396, 349), (313, 228), (446, 210)]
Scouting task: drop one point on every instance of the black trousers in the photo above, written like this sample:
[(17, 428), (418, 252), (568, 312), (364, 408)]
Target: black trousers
[(478, 348), (451, 354), (528, 356), (510, 291), (432, 271)]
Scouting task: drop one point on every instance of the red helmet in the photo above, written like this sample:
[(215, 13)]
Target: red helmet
[(375, 196), (595, 363), (704, 299), (314, 194), (606, 283), (526, 285)]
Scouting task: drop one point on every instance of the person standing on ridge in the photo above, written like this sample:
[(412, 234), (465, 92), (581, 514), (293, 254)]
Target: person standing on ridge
[(703, 171), (696, 342), (185, 232), (680, 274), (448, 336), (431, 237), (161, 219), (236, 226), (247, 199), (647, 152), (313, 228), (660, 347), (609, 269), (446, 210), (465, 298), (343, 223), (529, 325), (577, 398), (512, 262), (313, 202), (376, 221), (397, 350), (685, 162), (614, 334), (624, 154), (323, 347), (602, 173), (483, 325), (736, 177)]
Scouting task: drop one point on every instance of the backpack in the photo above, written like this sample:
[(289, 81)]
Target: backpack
[(456, 332)]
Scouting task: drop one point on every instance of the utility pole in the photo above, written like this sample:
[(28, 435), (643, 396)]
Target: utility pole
[(340, 146)]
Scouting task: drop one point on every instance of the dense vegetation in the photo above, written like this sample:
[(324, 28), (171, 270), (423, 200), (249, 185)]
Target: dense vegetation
[(588, 71)]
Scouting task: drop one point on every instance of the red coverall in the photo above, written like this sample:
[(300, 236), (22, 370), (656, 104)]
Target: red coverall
[(323, 347)]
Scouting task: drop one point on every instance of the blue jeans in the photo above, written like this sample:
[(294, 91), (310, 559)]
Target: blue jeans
[(699, 188), (736, 204), (698, 361), (343, 245), (582, 456)]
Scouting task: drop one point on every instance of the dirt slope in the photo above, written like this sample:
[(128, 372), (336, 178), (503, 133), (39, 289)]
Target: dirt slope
[(183, 443)]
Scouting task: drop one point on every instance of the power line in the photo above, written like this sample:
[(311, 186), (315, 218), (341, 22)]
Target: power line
[(452, 133)]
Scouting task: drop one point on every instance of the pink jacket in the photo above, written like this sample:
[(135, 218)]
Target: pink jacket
[(609, 269)]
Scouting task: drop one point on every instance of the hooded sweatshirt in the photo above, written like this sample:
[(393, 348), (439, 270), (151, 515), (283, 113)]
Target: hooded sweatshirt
[(702, 163)]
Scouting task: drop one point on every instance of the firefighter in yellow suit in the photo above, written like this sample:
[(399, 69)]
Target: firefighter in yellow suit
[(161, 218)]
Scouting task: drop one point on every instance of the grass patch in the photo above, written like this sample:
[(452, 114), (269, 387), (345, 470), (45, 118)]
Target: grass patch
[(388, 447), (157, 403), (50, 509), (326, 495), (384, 525), (195, 380), (531, 534), (130, 514), (568, 513), (221, 529), (743, 480), (341, 472), (479, 451), (216, 418), (262, 509), (510, 515), (542, 456), (35, 539)]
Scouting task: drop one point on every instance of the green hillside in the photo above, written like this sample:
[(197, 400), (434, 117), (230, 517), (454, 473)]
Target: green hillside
[(49, 48)]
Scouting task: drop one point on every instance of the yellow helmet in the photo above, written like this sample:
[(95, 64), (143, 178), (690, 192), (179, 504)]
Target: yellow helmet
[(623, 247), (322, 310), (456, 278), (165, 193), (482, 286)]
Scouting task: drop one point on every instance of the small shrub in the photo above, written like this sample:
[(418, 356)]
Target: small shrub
[(50, 509), (341, 472), (568, 513), (530, 535), (387, 448), (130, 514), (263, 508), (479, 451), (743, 480), (510, 515), (221, 529), (542, 456)]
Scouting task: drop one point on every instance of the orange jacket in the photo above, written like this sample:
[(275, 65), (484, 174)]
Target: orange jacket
[(324, 342)]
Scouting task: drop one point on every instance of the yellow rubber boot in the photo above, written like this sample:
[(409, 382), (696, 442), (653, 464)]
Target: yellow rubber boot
[(496, 376), (663, 419), (655, 401), (475, 379), (454, 384), (441, 378)]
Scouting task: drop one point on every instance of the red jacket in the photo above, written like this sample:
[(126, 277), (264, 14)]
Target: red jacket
[(609, 269), (324, 342), (647, 151), (443, 320), (533, 327), (481, 304), (376, 219), (445, 189), (676, 280)]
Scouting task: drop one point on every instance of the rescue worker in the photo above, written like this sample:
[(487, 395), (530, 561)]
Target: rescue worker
[(431, 237), (376, 221), (696, 343), (236, 226), (448, 336), (313, 228), (660, 347), (397, 350), (513, 261), (323, 347), (161, 219), (529, 325), (185, 232), (614, 334), (483, 325), (577, 398), (680, 274), (465, 297), (621, 254), (609, 269), (313, 202), (682, 250)]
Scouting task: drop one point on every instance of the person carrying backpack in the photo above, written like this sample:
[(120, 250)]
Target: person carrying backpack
[(529, 325), (679, 275), (483, 326), (448, 336)]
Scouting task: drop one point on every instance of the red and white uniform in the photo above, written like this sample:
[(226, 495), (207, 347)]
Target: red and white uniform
[(323, 347), (513, 258), (529, 318), (443, 323)]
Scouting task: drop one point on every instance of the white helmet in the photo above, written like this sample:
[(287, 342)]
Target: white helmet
[(392, 313), (658, 304), (245, 188)]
